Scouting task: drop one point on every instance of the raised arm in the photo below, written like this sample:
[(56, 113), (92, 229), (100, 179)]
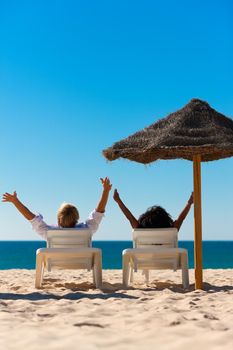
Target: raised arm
[(104, 197), (12, 198), (133, 221), (184, 213)]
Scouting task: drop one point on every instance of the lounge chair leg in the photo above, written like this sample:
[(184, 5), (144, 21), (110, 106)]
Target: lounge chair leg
[(126, 270), (97, 269), (93, 275), (49, 266), (185, 273), (146, 274), (131, 273), (39, 270)]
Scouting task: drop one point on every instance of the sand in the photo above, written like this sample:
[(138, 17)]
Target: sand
[(68, 313)]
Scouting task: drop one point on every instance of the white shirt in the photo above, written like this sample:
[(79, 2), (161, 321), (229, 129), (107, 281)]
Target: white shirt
[(92, 223)]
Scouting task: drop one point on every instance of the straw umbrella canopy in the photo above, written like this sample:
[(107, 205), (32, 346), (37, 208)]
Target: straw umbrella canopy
[(197, 133)]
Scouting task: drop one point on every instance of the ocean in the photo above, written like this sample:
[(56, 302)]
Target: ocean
[(21, 254)]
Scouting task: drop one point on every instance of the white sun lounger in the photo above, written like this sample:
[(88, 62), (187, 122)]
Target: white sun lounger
[(69, 249), (154, 249)]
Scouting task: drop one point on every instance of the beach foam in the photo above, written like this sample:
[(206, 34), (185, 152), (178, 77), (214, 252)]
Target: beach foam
[(69, 313)]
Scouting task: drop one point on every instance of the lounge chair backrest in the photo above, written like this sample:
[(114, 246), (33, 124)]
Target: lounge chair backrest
[(69, 238), (69, 249), (161, 237), (154, 249)]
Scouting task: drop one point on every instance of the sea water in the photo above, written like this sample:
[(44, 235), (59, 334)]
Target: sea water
[(21, 254)]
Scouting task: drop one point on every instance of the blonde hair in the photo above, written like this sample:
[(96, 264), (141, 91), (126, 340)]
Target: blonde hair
[(67, 215)]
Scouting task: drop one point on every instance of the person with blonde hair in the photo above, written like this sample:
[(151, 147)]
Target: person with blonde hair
[(67, 216)]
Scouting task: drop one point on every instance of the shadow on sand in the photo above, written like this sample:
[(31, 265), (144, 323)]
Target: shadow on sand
[(36, 296), (108, 290)]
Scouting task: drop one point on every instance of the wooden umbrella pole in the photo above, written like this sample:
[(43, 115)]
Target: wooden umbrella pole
[(197, 221)]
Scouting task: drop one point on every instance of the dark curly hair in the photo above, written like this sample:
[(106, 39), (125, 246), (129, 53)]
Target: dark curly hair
[(155, 217)]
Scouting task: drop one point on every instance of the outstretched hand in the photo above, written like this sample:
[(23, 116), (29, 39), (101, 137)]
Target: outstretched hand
[(7, 197), (104, 197), (106, 183), (116, 195)]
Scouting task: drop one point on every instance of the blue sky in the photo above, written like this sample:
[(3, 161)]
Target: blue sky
[(76, 76)]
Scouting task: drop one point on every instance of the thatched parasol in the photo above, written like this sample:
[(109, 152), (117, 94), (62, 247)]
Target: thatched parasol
[(196, 132)]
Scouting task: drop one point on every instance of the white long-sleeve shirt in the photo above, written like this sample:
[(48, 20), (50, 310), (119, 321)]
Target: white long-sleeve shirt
[(92, 223)]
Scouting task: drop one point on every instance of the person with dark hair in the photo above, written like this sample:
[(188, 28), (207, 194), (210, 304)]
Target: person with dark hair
[(154, 217)]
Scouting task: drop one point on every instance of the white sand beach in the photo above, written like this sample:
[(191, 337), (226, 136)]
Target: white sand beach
[(69, 313)]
